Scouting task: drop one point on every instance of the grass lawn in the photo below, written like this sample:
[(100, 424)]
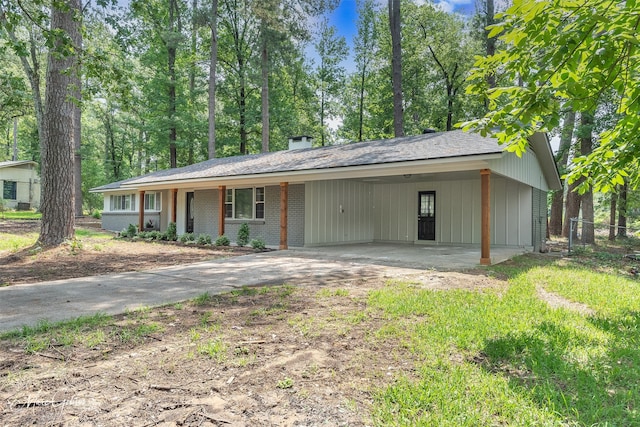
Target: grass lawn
[(20, 215), (496, 358)]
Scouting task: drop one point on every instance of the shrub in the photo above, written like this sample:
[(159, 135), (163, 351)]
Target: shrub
[(258, 244), (96, 214), (155, 235), (222, 241), (243, 235), (204, 239), (187, 237), (172, 233), (130, 231), (144, 235)]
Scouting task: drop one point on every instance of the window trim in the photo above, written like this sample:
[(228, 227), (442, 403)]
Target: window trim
[(117, 207), (230, 201), (157, 199)]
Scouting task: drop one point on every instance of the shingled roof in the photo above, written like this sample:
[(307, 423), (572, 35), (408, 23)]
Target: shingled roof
[(429, 146)]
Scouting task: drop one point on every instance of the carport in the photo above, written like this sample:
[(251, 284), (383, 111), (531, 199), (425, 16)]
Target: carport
[(424, 257)]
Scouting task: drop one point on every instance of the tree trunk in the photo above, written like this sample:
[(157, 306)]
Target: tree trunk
[(77, 129), (265, 91), (396, 67), (586, 146), (363, 75), (192, 77), (57, 154), (491, 42), (622, 210), (562, 157), (572, 209), (612, 216), (213, 23), (171, 64), (243, 109)]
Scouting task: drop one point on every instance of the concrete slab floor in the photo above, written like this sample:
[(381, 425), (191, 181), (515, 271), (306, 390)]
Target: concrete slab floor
[(437, 257)]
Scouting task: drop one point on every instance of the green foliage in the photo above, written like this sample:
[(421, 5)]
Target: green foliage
[(567, 56), (131, 231), (285, 383), (258, 244), (204, 239), (187, 237), (96, 214), (171, 234), (223, 241), (243, 235), (526, 362)]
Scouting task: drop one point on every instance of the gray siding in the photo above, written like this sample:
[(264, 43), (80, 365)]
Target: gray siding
[(525, 169), (338, 211), (458, 208), (206, 217), (395, 207)]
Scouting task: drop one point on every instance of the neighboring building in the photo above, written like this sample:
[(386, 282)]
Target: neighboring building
[(20, 185), (447, 188)]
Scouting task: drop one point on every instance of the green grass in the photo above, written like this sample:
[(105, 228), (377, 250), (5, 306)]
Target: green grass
[(16, 242), (95, 234), (20, 215), (507, 358)]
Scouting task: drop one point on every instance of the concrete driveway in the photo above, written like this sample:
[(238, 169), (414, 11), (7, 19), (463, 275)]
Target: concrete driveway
[(65, 299)]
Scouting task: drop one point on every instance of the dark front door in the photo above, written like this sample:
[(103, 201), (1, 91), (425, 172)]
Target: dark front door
[(190, 212), (427, 215)]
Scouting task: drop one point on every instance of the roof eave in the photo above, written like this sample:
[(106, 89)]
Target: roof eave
[(540, 144), (447, 164)]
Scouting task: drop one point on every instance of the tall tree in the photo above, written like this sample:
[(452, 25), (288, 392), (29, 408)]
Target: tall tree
[(332, 50), (567, 54), (562, 157), (623, 192), (27, 47), (585, 134), (213, 26), (396, 67), (57, 150), (450, 49), (364, 46)]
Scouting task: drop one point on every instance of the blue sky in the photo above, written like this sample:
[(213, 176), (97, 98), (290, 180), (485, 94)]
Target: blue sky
[(344, 18)]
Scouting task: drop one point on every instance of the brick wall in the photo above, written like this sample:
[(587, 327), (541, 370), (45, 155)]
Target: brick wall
[(206, 217), (117, 221)]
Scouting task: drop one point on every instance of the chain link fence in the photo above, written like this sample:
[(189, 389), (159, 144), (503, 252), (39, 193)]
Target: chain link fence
[(600, 230)]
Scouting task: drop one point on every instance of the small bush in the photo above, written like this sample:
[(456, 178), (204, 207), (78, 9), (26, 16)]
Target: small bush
[(96, 214), (222, 241), (187, 237), (258, 244), (130, 231), (243, 235), (172, 232), (155, 235), (204, 239), (144, 235)]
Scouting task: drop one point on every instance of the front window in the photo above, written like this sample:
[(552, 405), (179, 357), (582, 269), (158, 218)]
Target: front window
[(244, 203), (152, 201), (122, 202), (10, 190)]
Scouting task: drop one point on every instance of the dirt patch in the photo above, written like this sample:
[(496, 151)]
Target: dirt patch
[(91, 256), (261, 356), (557, 301)]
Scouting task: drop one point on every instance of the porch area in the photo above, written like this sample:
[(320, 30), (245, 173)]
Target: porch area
[(423, 257)]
